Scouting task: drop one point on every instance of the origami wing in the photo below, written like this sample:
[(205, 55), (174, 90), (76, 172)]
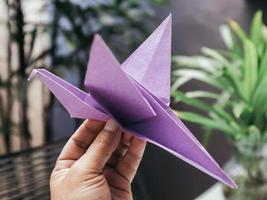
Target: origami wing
[(112, 87), (150, 64), (78, 103)]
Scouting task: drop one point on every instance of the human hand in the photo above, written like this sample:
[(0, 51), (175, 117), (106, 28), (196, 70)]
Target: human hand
[(98, 162)]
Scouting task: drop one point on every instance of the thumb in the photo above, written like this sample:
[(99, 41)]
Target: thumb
[(99, 152)]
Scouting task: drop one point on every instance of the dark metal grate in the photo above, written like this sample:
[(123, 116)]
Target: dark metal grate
[(26, 175)]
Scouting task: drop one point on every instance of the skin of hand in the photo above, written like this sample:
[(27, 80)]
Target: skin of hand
[(98, 162)]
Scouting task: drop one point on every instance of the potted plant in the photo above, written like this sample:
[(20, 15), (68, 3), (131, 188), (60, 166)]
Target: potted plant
[(238, 104)]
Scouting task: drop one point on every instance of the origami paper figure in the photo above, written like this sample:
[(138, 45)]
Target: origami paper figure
[(137, 95)]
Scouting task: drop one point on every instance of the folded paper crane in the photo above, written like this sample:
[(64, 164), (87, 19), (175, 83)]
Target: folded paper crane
[(137, 95)]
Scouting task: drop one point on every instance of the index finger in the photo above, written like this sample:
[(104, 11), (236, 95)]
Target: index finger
[(78, 143)]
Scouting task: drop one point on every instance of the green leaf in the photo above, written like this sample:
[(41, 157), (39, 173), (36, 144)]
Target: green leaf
[(263, 67), (206, 136), (256, 28), (224, 99), (264, 33), (179, 82), (261, 49), (220, 111), (202, 94), (230, 55), (250, 68), (158, 2), (235, 51), (238, 30), (179, 96), (198, 75), (264, 136), (199, 62), (214, 54), (260, 96), (200, 119), (232, 78), (254, 134), (238, 109), (227, 36)]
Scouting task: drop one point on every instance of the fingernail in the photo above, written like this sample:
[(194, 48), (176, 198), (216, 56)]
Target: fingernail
[(126, 139), (111, 126)]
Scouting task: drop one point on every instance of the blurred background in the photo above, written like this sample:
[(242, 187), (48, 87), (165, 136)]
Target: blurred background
[(57, 34)]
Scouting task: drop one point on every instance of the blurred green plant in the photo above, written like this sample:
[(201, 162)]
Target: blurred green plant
[(237, 104), (238, 74)]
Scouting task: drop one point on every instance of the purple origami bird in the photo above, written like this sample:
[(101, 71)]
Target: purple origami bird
[(136, 94)]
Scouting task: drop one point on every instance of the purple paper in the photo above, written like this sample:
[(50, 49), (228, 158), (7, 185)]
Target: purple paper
[(137, 95), (150, 63), (112, 87)]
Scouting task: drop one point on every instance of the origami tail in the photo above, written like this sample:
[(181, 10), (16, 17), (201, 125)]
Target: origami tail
[(171, 134), (78, 103)]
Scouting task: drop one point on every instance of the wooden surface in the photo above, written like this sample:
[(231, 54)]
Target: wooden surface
[(26, 175)]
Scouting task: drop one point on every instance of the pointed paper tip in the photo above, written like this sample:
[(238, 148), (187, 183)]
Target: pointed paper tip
[(96, 36), (97, 39), (167, 21), (169, 18), (228, 181), (32, 75), (232, 184)]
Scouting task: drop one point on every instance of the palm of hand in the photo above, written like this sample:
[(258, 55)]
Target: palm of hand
[(101, 167)]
